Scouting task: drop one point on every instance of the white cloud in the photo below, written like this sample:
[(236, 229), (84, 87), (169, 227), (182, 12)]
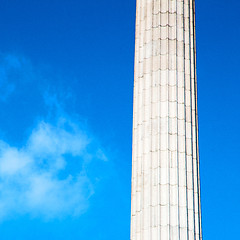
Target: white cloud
[(35, 179), (48, 176)]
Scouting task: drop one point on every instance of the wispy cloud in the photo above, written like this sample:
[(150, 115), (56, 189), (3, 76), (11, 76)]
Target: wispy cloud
[(35, 179), (8, 65), (47, 176)]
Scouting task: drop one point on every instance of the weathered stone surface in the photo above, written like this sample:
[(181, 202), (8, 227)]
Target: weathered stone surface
[(165, 170)]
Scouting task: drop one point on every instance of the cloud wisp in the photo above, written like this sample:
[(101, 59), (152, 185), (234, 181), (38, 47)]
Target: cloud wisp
[(49, 174), (35, 179), (9, 65)]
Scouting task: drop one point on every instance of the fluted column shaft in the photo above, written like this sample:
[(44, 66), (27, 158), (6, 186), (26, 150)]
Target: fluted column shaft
[(165, 170)]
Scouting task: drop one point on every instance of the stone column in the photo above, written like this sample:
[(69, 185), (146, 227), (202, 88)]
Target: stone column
[(165, 165)]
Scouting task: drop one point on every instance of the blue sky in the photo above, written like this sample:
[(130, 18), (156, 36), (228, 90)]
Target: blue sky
[(66, 83)]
